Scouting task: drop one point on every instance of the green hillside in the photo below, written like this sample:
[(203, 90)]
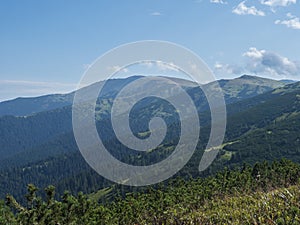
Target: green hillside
[(45, 122), (264, 127)]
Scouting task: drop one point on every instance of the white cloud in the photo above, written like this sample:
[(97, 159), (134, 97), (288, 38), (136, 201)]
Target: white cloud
[(161, 66), (254, 53), (155, 14), (263, 62), (242, 9), (227, 69), (293, 22), (117, 69), (218, 66), (218, 1), (145, 68), (274, 3), (166, 66)]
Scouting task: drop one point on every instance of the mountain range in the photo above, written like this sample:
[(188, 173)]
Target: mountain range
[(38, 145)]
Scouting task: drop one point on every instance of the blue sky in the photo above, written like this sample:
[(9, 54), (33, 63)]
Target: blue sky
[(45, 46)]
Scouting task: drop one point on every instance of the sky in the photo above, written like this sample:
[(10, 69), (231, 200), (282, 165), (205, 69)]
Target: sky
[(46, 46)]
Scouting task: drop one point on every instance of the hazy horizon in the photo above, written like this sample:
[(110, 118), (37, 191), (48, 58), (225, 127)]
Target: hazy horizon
[(75, 86)]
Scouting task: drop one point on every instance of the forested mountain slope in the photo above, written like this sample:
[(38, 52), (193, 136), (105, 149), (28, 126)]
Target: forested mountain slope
[(50, 156), (23, 132)]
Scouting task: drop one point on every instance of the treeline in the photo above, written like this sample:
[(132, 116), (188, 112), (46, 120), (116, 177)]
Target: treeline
[(267, 193)]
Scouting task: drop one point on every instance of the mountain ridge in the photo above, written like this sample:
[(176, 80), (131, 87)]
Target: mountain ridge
[(59, 152), (24, 106)]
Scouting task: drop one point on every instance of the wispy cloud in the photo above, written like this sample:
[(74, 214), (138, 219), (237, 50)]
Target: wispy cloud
[(292, 22), (116, 68), (161, 66), (242, 9), (156, 13), (221, 68), (274, 3), (218, 1), (10, 89)]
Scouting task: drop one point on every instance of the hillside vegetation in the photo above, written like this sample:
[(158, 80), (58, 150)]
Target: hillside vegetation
[(267, 193)]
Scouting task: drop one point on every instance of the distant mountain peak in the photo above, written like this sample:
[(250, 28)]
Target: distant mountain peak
[(254, 77), (246, 76)]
